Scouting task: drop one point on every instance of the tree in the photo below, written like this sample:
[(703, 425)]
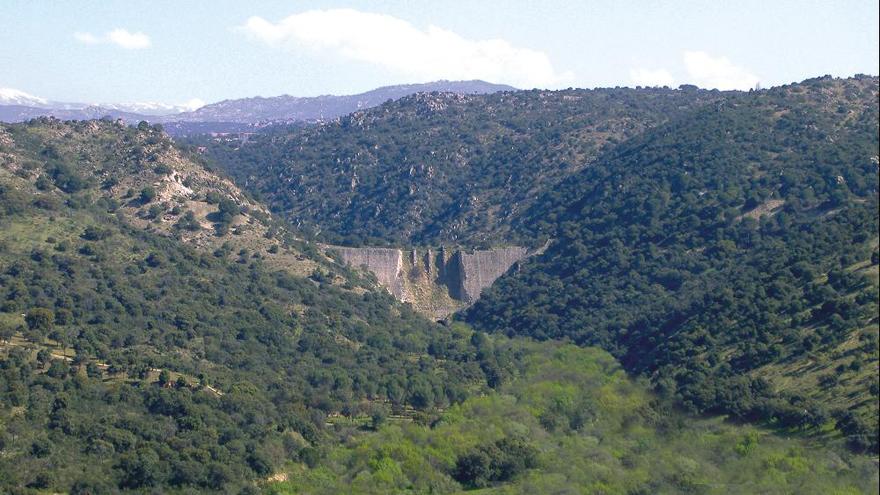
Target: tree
[(89, 486), (39, 322), (63, 316), (227, 210), (164, 378), (501, 461), (474, 469), (6, 332), (93, 370), (147, 194), (378, 418), (64, 336), (142, 468), (94, 233)]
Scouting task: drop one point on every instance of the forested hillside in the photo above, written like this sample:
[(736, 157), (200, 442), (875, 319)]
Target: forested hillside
[(439, 168), (133, 358), (164, 331), (730, 254), (724, 244)]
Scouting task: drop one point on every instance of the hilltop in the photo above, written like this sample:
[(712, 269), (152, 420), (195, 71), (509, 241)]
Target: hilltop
[(440, 168)]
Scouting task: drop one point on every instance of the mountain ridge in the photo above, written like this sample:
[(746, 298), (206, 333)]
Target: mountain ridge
[(286, 108), (439, 169), (233, 115)]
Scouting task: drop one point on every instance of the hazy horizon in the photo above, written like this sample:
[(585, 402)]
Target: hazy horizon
[(115, 52)]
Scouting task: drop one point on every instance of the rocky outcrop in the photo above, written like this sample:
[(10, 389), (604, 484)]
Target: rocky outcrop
[(436, 282)]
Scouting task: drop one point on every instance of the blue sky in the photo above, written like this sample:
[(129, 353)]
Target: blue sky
[(174, 51)]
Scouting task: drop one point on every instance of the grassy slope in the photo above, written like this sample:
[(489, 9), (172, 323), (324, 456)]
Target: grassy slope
[(116, 163)]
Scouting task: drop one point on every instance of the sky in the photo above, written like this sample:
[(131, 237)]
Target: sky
[(186, 53)]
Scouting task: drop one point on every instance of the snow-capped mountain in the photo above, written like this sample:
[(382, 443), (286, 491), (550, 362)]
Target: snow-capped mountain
[(17, 97), (153, 108), (10, 96)]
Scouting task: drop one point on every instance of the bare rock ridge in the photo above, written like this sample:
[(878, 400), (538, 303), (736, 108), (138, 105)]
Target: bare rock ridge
[(436, 282)]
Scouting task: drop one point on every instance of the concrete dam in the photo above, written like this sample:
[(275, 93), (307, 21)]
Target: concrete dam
[(436, 282)]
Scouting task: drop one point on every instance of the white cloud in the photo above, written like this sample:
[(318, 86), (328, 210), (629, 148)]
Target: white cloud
[(119, 37), (707, 71), (701, 69), (397, 45), (86, 38), (651, 77), (127, 40)]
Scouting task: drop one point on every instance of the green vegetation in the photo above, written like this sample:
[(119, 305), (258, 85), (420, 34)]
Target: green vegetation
[(704, 319), (438, 168), (573, 422), (723, 244), (142, 363), (717, 254)]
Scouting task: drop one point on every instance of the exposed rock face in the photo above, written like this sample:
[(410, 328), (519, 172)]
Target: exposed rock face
[(436, 283)]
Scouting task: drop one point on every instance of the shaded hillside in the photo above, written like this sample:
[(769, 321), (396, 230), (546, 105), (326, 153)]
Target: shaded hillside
[(435, 169), (136, 354), (730, 254)]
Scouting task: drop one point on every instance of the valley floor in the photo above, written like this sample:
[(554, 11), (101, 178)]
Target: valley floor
[(576, 424)]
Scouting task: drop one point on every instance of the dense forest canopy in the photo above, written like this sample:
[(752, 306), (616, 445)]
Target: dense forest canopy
[(572, 422), (720, 250), (131, 359), (163, 330), (716, 241), (438, 168)]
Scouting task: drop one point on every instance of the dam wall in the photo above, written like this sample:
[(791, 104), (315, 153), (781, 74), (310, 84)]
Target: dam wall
[(437, 282)]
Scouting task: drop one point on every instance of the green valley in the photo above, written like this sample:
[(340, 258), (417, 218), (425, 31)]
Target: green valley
[(573, 422), (657, 291)]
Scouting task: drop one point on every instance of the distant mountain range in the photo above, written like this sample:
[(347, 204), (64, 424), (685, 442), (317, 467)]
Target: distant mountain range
[(230, 115), (31, 104)]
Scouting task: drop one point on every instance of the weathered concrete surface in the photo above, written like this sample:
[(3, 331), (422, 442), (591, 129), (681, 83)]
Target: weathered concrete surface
[(480, 269), (436, 282), (385, 263)]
